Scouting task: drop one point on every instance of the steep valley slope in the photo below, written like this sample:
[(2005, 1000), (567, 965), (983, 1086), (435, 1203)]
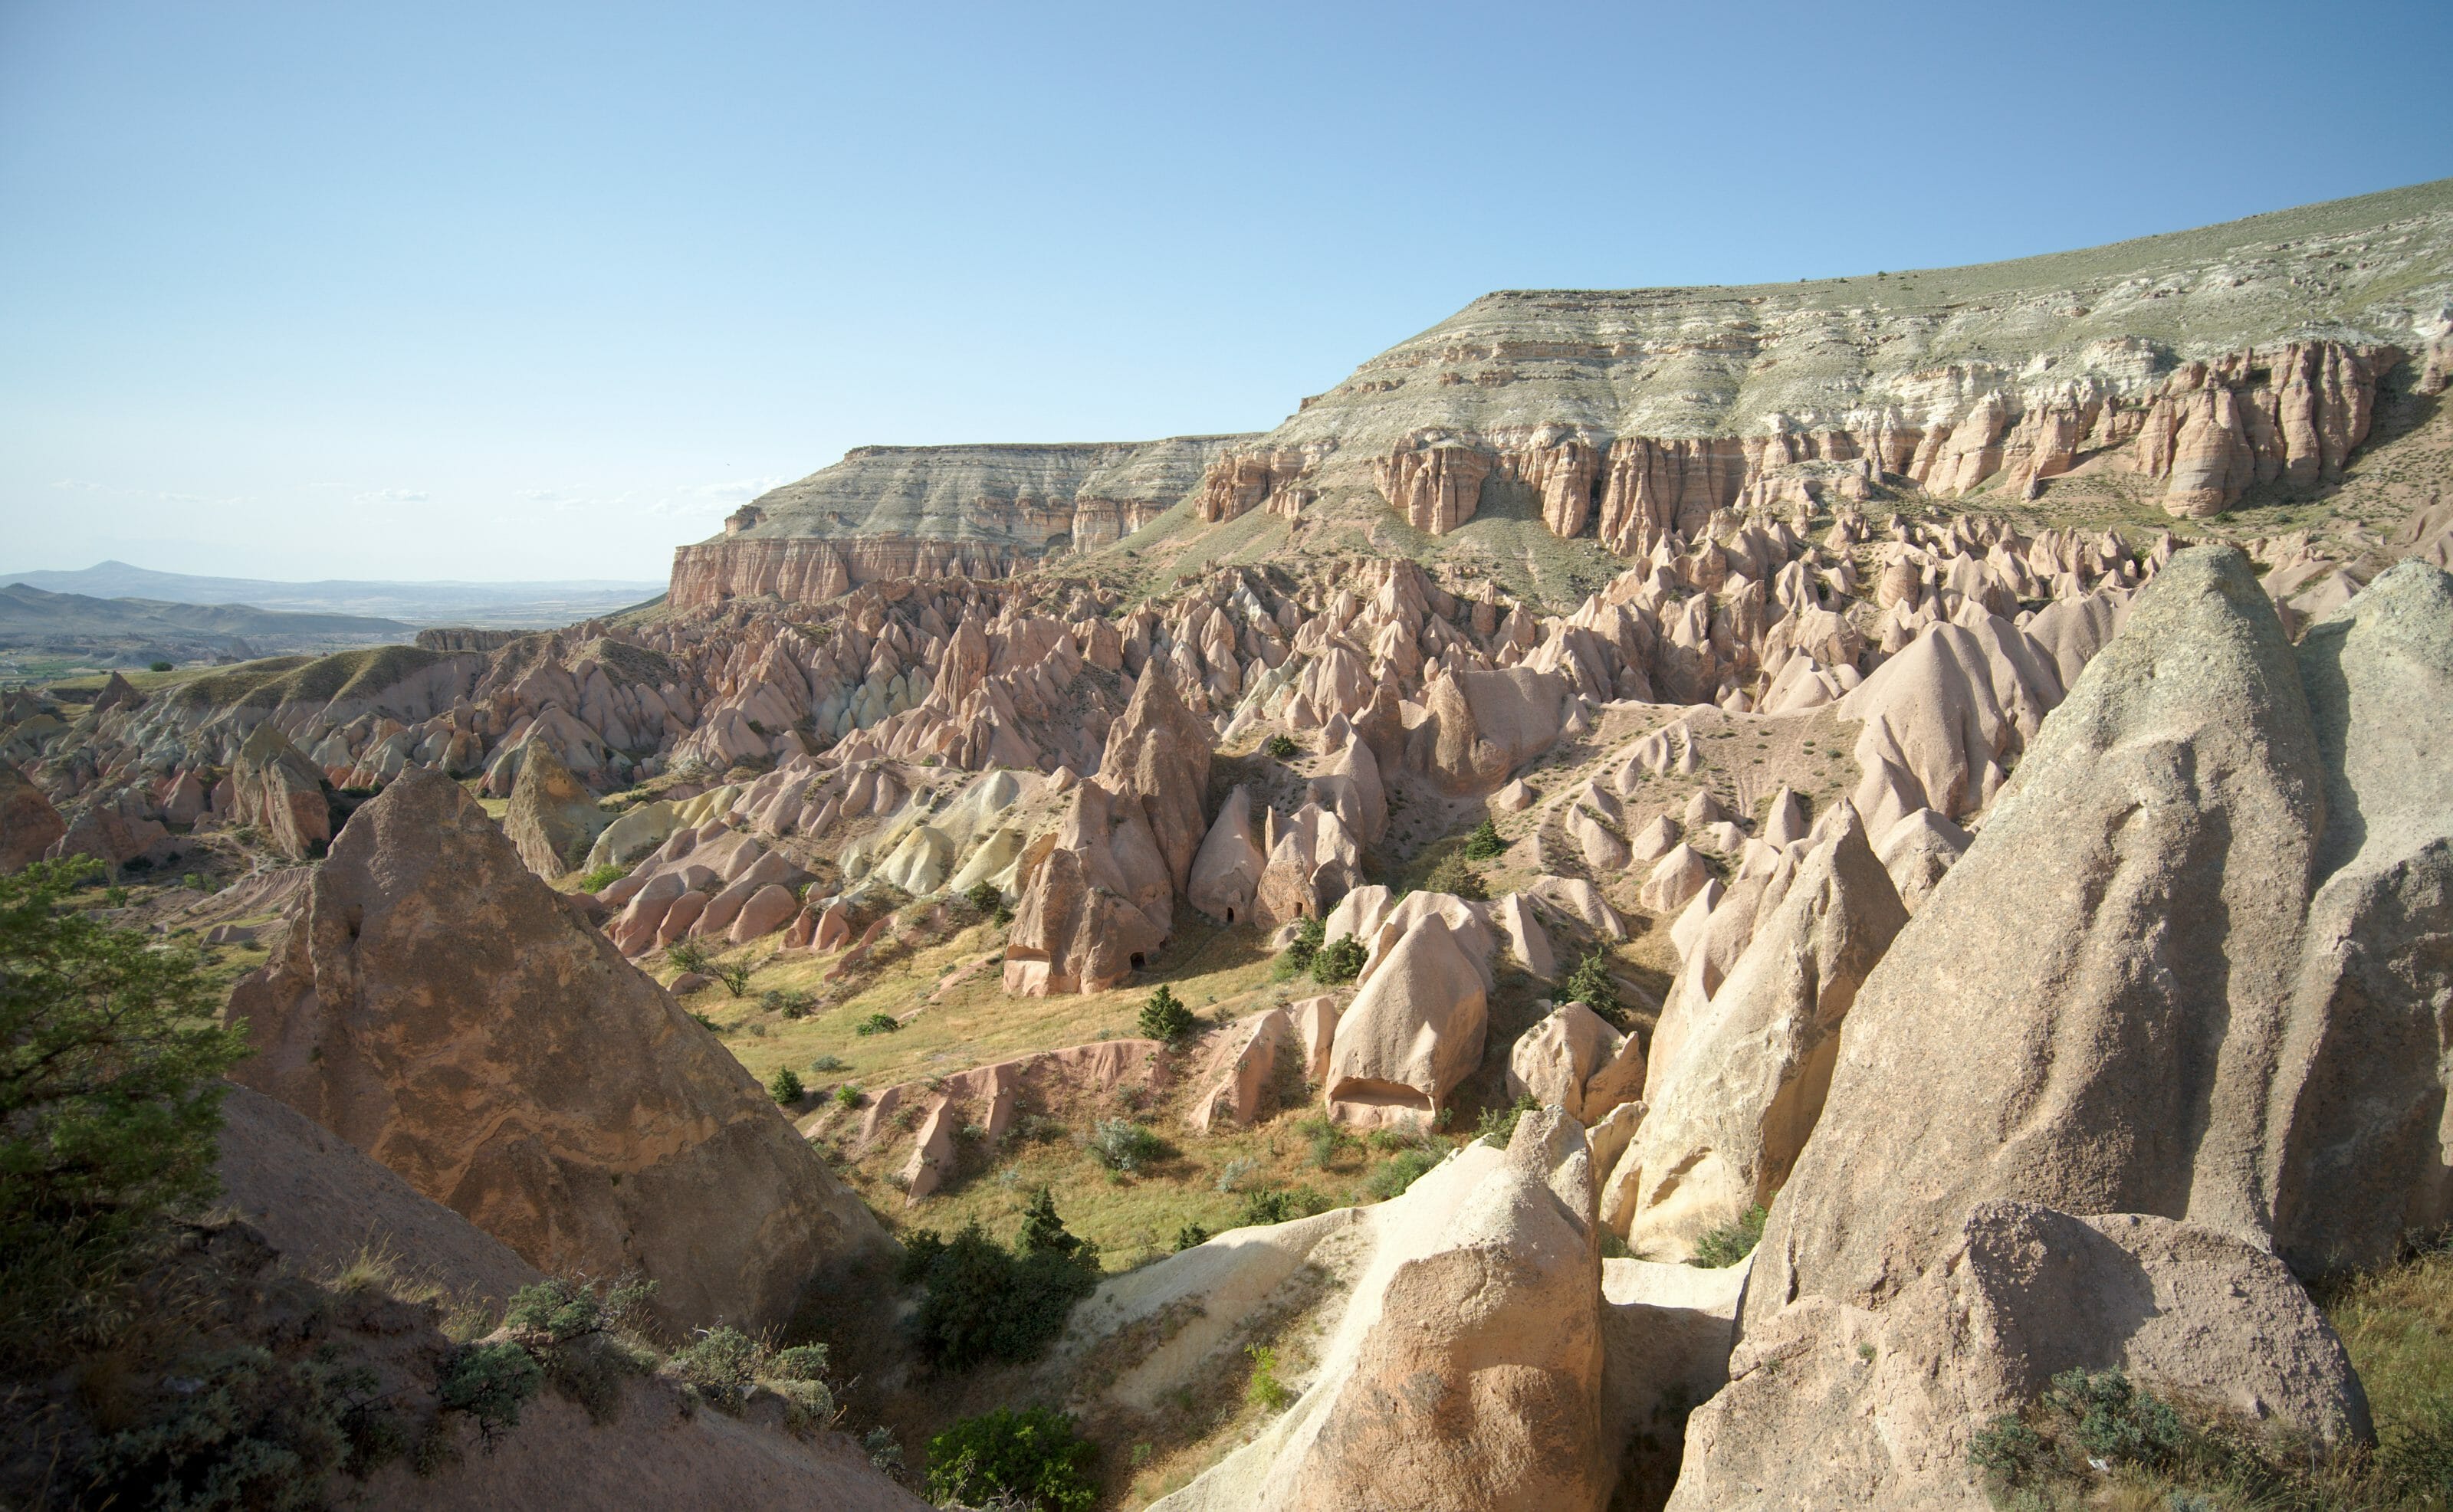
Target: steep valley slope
[(1623, 776)]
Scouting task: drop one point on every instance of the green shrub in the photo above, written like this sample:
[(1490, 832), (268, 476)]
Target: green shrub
[(1265, 1389), (784, 1086), (720, 1367), (791, 1002), (735, 977), (1339, 960), (570, 1331), (984, 898), (1485, 843), (1164, 1018), (705, 1022), (849, 1096), (251, 1434), (800, 1362), (1326, 1141), (1455, 877), (1282, 746), (1033, 1456), (1297, 958), (1497, 1126), (110, 1090), (1121, 1145), (1191, 1236), (876, 1023), (688, 955), (158, 667), (1590, 984), (491, 1383), (983, 1301), (1393, 1179), (1278, 1207), (600, 878), (1719, 1248), (829, 1063)]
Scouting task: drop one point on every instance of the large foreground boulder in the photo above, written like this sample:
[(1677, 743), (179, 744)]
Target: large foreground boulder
[(1464, 1371), (439, 1007), (2185, 992), (1733, 1109)]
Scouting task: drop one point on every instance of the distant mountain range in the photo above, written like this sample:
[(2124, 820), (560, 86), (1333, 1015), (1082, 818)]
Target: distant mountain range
[(538, 605)]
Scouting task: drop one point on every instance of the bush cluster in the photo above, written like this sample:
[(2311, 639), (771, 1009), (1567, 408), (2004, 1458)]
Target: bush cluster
[(1166, 1020), (784, 1086), (876, 1023), (600, 878), (1281, 747), (1339, 960), (111, 1091), (1719, 1248), (1033, 1457), (1485, 843), (983, 1301), (1454, 876), (1590, 984), (1121, 1145)]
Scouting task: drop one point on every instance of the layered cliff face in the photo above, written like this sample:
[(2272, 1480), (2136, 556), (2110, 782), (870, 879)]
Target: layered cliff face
[(2209, 361), (928, 511)]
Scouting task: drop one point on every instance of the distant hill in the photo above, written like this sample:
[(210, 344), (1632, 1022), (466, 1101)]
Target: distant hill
[(24, 606), (539, 605)]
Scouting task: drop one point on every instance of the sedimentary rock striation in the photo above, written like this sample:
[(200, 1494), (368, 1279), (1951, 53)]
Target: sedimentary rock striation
[(439, 1007), (926, 511)]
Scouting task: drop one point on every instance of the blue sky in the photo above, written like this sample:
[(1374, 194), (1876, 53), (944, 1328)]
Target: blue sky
[(531, 290)]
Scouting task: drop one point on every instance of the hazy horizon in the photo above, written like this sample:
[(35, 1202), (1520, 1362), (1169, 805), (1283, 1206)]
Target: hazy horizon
[(463, 294)]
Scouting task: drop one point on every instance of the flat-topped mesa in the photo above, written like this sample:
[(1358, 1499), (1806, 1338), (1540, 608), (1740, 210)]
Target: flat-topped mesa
[(2212, 360), (979, 511)]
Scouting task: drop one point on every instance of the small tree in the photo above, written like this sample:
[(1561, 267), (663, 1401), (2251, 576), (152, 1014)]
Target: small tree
[(785, 1087), (1485, 843), (1281, 746), (1341, 960), (1164, 1018), (1033, 1458), (1458, 880), (111, 1091), (1590, 984), (1043, 1232)]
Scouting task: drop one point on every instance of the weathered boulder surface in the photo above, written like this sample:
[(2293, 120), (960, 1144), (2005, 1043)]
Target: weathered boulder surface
[(552, 818), (1575, 1060), (2042, 1041), (1465, 1369), (1834, 1404), (1728, 1115), (29, 824), (439, 1007), (1227, 871), (279, 789), (1412, 1033), (1093, 905)]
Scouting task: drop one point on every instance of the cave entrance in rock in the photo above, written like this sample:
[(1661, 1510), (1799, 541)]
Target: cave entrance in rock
[(1137, 960)]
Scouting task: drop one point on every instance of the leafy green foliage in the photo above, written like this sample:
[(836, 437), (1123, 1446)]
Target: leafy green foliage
[(570, 1332), (1265, 1389), (1297, 957), (252, 1434), (983, 1301), (158, 667), (1033, 1456), (735, 977), (876, 1023), (1497, 1126), (1191, 1236), (848, 1096), (987, 901), (1485, 843), (1164, 1018), (1719, 1248), (1121, 1145), (1325, 1141), (491, 1383), (1282, 746), (600, 878), (110, 1094), (1274, 1205), (1590, 984), (791, 1002), (784, 1086), (720, 1367), (829, 1063), (1394, 1177), (688, 955), (1339, 960), (1455, 876)]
